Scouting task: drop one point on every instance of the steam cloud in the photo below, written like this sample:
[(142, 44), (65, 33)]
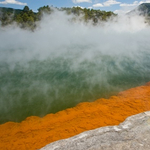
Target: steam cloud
[(63, 63)]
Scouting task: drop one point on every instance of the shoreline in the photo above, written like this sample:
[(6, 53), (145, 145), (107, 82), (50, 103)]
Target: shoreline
[(35, 132)]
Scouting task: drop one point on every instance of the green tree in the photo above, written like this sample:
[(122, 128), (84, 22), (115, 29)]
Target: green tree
[(26, 18), (41, 10), (26, 9)]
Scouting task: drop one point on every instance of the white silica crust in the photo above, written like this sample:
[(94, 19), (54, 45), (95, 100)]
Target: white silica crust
[(132, 134)]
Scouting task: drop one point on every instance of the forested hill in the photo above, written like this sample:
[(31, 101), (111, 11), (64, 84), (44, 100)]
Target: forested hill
[(27, 18), (10, 10), (143, 9)]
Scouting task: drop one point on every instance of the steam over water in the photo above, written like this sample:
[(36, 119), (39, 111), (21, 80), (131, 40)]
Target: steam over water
[(63, 63)]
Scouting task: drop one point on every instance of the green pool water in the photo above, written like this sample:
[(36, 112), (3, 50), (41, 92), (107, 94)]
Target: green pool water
[(38, 87), (63, 63)]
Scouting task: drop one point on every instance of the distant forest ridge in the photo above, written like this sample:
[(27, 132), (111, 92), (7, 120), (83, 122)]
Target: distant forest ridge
[(26, 18), (143, 9)]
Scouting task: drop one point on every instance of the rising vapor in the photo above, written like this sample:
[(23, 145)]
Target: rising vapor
[(64, 62)]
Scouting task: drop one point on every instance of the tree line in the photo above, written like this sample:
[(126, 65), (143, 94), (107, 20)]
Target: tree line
[(26, 18)]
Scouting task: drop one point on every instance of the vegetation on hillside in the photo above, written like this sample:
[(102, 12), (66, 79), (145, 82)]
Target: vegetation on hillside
[(89, 14), (26, 18), (144, 9)]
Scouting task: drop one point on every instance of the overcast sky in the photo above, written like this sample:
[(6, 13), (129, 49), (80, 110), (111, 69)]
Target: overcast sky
[(116, 6)]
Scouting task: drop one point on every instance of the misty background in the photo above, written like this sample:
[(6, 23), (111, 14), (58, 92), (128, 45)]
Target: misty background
[(65, 62)]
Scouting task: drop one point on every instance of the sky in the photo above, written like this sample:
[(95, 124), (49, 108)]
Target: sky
[(117, 6)]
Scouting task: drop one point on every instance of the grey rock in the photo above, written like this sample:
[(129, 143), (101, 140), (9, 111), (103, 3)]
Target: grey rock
[(132, 134)]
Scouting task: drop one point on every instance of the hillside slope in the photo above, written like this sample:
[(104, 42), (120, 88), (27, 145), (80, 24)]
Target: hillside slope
[(143, 9)]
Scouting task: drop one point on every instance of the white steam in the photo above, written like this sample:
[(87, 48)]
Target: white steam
[(66, 59)]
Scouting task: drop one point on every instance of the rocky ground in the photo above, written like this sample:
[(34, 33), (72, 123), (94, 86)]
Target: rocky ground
[(132, 134)]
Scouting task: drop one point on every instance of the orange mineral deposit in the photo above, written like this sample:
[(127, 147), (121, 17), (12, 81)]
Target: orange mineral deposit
[(34, 132)]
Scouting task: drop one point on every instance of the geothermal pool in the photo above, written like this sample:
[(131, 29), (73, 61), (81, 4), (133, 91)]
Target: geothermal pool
[(46, 71)]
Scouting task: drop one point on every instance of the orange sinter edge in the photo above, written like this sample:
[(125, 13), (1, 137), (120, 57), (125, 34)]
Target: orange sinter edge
[(34, 132)]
